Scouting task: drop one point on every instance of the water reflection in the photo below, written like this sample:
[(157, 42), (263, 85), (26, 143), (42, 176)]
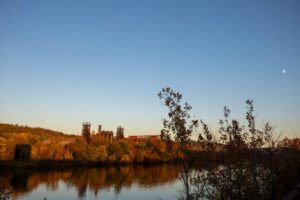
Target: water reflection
[(22, 182)]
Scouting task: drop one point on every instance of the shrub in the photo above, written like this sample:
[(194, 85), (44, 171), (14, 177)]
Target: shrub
[(46, 153), (93, 153), (103, 154), (139, 156), (112, 159), (115, 149), (22, 152), (125, 147), (79, 155), (125, 159)]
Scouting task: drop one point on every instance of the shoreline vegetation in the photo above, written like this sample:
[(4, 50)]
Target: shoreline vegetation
[(26, 147), (55, 150), (245, 162)]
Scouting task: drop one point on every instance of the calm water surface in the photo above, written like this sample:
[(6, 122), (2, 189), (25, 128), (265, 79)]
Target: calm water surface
[(123, 182)]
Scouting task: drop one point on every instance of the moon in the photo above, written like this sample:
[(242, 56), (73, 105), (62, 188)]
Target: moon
[(284, 71)]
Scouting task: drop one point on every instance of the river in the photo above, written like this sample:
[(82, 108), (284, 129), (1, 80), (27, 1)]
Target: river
[(115, 182)]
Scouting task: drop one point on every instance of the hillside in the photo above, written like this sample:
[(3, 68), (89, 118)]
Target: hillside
[(10, 128), (44, 142)]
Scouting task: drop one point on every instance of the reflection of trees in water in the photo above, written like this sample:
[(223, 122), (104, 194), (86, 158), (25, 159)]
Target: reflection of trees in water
[(96, 179), (19, 180), (82, 191)]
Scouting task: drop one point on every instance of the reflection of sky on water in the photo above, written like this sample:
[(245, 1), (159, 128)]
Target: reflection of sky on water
[(121, 182), (164, 191)]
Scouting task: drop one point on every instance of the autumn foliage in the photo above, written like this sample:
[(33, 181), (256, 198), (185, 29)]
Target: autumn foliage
[(50, 145)]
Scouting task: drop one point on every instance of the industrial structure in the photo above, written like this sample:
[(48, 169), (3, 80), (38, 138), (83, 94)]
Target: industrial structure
[(120, 133), (86, 131), (107, 135)]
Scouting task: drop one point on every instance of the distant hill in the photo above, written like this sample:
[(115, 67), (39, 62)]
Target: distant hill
[(10, 128)]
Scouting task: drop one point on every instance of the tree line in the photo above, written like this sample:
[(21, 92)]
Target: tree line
[(25, 143)]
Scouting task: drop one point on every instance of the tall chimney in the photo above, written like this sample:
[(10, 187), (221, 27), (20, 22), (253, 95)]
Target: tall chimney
[(99, 130)]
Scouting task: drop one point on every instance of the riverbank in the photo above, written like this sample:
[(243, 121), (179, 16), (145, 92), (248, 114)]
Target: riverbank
[(67, 164)]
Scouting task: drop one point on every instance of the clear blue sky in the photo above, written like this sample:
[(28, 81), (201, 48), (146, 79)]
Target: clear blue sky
[(66, 62)]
